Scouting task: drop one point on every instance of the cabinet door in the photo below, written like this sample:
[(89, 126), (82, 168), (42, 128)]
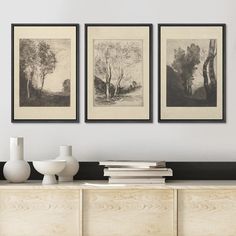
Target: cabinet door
[(128, 213), (39, 213), (206, 212)]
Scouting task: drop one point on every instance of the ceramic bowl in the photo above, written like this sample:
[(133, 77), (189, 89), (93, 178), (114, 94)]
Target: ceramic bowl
[(49, 169)]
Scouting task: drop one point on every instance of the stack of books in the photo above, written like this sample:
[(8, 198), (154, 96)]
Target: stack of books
[(136, 172)]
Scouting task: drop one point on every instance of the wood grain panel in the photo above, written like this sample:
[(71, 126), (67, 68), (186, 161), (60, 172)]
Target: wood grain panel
[(128, 213), (39, 213), (206, 212)]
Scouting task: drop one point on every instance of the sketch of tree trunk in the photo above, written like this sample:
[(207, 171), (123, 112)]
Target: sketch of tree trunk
[(205, 76), (42, 84), (121, 76), (29, 72), (28, 88), (212, 54), (29, 83), (188, 86), (209, 64), (108, 81)]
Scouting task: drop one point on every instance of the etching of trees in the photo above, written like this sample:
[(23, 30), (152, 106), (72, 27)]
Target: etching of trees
[(47, 61), (28, 57), (112, 60), (185, 64), (35, 58), (103, 65)]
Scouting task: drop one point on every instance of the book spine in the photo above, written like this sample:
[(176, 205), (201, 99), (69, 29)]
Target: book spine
[(139, 164), (140, 181), (137, 173), (136, 169)]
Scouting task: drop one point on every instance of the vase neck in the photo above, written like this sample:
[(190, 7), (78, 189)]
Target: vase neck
[(65, 150), (16, 148)]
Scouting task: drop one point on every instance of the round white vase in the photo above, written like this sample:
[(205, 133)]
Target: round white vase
[(72, 165), (16, 170)]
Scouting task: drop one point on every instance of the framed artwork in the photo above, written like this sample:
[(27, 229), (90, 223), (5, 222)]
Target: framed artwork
[(191, 72), (44, 72), (118, 67)]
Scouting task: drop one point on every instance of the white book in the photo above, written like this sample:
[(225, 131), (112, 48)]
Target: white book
[(135, 177), (141, 164), (137, 169), (137, 181), (142, 173)]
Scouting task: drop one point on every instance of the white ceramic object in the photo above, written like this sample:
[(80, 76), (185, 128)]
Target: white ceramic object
[(49, 169), (72, 165), (16, 170)]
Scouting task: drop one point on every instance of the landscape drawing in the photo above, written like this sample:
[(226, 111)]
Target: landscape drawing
[(45, 72), (118, 72), (191, 73)]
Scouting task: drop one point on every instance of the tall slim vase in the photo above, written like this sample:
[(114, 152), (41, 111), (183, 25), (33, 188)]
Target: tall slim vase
[(16, 170)]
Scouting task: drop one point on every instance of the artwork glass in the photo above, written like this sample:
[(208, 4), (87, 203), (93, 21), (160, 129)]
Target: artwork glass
[(191, 79), (118, 73), (44, 79)]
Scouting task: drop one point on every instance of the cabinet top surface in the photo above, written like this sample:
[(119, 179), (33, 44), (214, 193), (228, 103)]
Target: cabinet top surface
[(184, 184)]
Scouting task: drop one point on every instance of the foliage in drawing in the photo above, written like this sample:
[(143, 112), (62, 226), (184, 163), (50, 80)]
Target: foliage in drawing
[(191, 73), (44, 73)]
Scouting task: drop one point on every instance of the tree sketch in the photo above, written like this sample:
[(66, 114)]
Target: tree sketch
[(47, 61), (191, 77), (44, 72), (118, 73)]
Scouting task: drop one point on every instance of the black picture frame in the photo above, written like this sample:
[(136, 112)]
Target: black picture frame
[(221, 120), (150, 118), (73, 120)]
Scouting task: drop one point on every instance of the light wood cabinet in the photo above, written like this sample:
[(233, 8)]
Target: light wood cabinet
[(128, 212), (39, 213), (207, 212), (181, 208)]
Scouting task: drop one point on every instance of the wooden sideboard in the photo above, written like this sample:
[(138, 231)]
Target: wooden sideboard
[(95, 208)]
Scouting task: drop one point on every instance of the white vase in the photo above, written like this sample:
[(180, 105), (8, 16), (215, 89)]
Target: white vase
[(16, 170), (72, 165)]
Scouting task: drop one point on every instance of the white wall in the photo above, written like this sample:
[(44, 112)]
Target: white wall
[(175, 142)]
